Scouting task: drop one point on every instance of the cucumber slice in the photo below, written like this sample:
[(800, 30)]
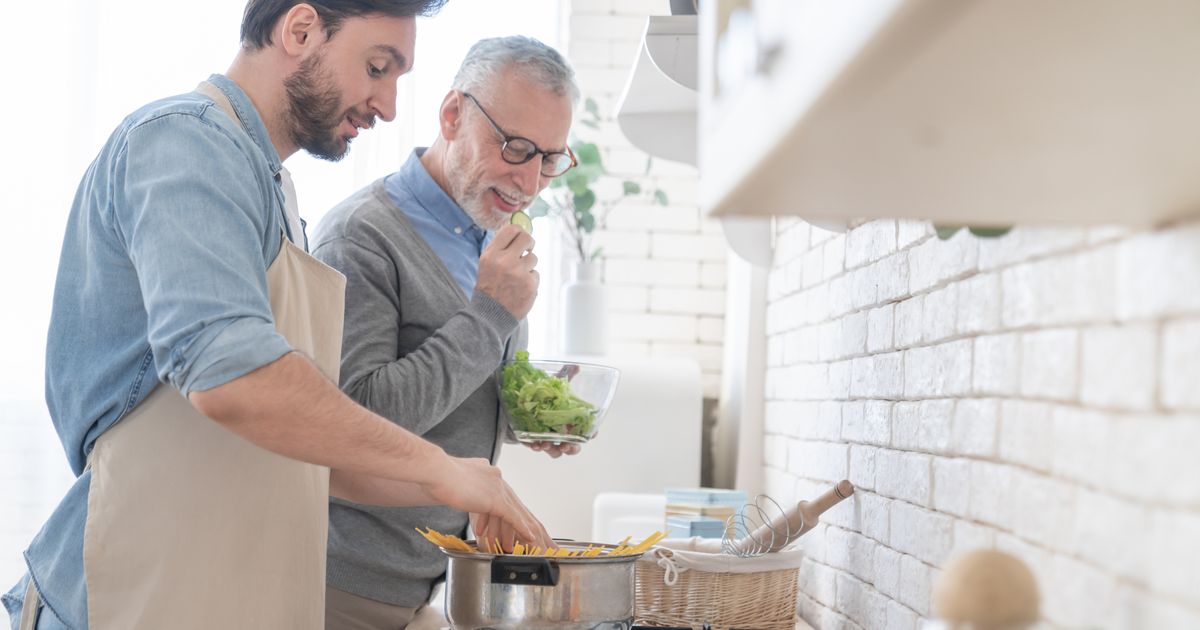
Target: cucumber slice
[(523, 220)]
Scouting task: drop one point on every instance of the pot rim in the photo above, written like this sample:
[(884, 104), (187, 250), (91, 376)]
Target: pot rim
[(570, 544)]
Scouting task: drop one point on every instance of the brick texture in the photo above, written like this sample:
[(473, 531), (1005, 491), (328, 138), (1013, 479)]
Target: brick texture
[(1035, 393)]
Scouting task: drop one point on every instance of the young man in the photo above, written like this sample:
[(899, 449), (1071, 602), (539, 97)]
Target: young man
[(194, 345), (433, 305)]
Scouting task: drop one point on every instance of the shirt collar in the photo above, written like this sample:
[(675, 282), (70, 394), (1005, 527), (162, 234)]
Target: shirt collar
[(251, 120), (436, 202)]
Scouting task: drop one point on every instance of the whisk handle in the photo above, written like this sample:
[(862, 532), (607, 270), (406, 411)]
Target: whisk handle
[(842, 490), (799, 520)]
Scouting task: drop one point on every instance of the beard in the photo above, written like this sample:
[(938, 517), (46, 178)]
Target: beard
[(315, 111), (473, 194)]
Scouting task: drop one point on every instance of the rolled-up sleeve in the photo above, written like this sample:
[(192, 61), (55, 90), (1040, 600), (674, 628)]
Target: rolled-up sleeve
[(197, 225)]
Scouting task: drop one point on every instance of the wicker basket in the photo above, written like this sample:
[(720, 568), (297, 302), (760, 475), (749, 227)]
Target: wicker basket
[(764, 600)]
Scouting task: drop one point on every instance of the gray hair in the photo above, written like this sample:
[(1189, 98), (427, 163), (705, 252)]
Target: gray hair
[(530, 58)]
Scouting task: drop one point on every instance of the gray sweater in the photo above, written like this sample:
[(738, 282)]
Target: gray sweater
[(417, 352)]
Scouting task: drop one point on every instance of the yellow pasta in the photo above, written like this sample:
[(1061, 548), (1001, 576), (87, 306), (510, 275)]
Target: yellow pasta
[(454, 543)]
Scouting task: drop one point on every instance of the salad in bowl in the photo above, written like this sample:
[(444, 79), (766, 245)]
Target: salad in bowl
[(555, 401)]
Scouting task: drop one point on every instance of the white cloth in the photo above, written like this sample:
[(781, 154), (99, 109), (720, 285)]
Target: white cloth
[(677, 555)]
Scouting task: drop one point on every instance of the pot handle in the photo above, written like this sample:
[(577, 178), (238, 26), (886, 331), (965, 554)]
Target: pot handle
[(524, 571)]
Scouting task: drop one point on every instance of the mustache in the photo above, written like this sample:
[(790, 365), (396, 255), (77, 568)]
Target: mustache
[(520, 198), (366, 121)]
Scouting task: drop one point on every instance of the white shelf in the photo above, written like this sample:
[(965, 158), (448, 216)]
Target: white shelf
[(986, 112)]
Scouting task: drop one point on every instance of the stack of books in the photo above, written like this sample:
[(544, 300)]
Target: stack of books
[(701, 511)]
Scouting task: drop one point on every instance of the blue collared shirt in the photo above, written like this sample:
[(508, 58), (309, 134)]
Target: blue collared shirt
[(448, 230), (162, 279)]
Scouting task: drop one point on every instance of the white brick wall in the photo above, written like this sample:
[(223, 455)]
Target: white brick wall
[(664, 267), (1036, 393)]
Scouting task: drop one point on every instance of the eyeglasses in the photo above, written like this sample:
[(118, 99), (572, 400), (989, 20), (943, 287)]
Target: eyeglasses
[(518, 150)]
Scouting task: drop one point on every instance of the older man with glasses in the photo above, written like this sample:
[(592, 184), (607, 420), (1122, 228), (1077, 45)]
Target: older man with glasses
[(438, 285)]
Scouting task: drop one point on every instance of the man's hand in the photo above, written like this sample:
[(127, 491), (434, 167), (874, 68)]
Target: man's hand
[(371, 459), (554, 450), (506, 271), (475, 486)]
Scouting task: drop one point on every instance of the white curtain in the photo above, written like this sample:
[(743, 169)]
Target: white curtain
[(71, 72)]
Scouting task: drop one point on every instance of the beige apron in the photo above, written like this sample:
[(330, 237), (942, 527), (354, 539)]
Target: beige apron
[(191, 526)]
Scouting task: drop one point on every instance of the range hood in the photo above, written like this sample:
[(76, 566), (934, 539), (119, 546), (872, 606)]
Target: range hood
[(657, 113), (657, 109)]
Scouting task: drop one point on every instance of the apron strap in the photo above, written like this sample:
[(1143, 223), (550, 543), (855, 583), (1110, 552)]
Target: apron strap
[(290, 225), (222, 101), (31, 607)]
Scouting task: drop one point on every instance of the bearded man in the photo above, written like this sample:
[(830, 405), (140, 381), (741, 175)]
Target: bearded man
[(434, 304), (193, 351)]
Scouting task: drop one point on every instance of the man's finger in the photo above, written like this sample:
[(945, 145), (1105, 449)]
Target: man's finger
[(520, 521), (505, 236), (509, 538), (481, 527), (534, 526), (522, 245), (512, 238), (490, 534)]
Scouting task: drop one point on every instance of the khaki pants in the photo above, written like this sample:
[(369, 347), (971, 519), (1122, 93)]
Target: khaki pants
[(347, 611)]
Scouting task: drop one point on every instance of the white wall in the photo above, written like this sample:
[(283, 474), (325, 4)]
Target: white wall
[(664, 266), (1035, 393)]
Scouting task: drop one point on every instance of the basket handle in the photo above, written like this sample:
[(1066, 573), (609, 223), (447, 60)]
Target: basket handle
[(671, 570)]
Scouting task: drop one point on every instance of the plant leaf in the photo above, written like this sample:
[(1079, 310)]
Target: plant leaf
[(631, 188), (592, 107), (539, 208), (587, 153), (590, 123), (587, 222), (649, 161), (945, 232), (990, 232), (590, 172), (661, 197), (578, 182), (583, 205), (596, 253)]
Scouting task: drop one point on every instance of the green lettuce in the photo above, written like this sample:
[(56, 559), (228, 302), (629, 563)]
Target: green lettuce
[(540, 403)]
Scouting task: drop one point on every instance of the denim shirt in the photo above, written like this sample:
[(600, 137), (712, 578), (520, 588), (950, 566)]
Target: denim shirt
[(447, 228), (162, 279)]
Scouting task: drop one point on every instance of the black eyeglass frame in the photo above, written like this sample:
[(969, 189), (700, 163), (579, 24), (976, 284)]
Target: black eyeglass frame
[(547, 156)]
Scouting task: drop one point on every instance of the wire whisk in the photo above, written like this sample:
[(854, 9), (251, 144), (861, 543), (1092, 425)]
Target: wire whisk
[(759, 527), (764, 526)]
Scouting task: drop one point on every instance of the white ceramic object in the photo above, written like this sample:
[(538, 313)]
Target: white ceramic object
[(585, 321)]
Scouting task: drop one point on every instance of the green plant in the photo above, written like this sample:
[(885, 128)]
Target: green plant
[(945, 232), (572, 196)]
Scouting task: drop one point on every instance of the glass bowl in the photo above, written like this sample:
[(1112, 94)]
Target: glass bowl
[(555, 401)]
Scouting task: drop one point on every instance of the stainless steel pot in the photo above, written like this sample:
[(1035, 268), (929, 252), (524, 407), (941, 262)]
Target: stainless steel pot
[(497, 592)]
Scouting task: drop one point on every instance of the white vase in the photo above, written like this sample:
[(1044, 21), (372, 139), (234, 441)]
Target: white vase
[(584, 314)]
